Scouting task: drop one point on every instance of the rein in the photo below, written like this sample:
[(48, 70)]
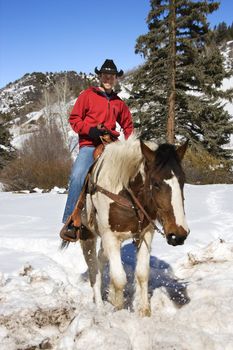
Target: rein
[(136, 201)]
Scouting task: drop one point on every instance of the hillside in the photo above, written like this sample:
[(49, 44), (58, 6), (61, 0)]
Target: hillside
[(29, 93), (25, 102)]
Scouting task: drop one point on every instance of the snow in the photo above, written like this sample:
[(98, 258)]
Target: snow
[(226, 51), (3, 147), (46, 299), (228, 106), (124, 93), (227, 83), (14, 93)]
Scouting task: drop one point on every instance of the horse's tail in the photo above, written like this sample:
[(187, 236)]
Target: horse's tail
[(64, 244)]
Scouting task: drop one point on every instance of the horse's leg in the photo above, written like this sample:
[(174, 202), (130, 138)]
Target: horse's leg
[(142, 275), (102, 260), (111, 246), (90, 255)]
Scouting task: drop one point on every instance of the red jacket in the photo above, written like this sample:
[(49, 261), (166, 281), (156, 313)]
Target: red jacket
[(93, 107)]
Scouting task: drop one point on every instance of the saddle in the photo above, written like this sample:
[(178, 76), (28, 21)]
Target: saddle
[(71, 231)]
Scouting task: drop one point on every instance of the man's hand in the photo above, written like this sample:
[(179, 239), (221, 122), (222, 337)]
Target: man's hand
[(95, 133)]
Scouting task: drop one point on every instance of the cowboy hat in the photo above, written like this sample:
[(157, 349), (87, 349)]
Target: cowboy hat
[(109, 67)]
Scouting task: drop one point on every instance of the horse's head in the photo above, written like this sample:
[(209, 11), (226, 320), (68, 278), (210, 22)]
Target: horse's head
[(164, 182)]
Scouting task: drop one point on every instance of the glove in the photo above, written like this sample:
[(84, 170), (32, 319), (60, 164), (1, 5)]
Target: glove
[(95, 133)]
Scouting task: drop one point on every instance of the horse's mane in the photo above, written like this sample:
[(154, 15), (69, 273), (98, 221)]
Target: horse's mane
[(167, 158), (119, 163)]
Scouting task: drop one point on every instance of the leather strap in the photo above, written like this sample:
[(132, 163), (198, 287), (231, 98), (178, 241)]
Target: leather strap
[(138, 204), (115, 197), (136, 201)]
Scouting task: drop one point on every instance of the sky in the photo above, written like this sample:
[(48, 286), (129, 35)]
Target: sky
[(60, 35)]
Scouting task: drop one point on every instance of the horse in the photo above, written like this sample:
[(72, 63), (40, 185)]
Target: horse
[(132, 185)]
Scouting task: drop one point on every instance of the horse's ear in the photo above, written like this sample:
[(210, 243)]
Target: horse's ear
[(182, 149), (147, 152)]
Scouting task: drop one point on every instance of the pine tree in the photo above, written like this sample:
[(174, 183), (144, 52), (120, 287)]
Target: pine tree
[(176, 91), (231, 31), (222, 33), (6, 149)]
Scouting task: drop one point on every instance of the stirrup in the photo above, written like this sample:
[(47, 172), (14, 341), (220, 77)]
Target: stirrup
[(70, 233)]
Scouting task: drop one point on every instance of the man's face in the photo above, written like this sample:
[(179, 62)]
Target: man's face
[(108, 81)]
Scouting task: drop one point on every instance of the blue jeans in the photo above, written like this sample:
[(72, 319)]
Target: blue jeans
[(78, 173)]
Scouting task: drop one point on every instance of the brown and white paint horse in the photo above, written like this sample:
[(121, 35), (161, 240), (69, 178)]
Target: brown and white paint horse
[(156, 178)]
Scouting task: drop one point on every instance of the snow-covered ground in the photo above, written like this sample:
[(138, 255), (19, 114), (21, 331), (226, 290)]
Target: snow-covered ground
[(46, 300)]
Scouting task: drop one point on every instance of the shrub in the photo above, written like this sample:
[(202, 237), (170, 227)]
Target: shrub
[(203, 168), (43, 161)]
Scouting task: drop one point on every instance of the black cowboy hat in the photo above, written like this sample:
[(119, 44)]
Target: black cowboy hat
[(109, 67)]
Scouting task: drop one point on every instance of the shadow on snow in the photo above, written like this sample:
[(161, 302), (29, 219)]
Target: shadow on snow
[(161, 275)]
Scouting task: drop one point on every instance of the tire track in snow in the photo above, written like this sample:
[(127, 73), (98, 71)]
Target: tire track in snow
[(14, 220), (221, 217)]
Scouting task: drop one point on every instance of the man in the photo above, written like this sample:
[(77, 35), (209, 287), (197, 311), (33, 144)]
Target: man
[(96, 110)]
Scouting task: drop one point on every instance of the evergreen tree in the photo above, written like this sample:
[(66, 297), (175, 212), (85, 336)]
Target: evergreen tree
[(223, 33), (176, 90), (6, 149), (231, 31)]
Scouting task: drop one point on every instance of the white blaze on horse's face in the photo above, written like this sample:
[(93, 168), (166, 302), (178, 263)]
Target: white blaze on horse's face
[(177, 202)]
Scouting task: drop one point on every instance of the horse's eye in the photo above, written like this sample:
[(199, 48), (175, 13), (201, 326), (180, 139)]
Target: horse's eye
[(155, 185)]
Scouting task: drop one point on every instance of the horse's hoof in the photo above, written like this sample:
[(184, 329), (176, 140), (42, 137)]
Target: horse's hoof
[(145, 312)]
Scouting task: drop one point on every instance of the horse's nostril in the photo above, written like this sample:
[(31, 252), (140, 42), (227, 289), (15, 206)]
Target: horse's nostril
[(171, 236), (173, 239)]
